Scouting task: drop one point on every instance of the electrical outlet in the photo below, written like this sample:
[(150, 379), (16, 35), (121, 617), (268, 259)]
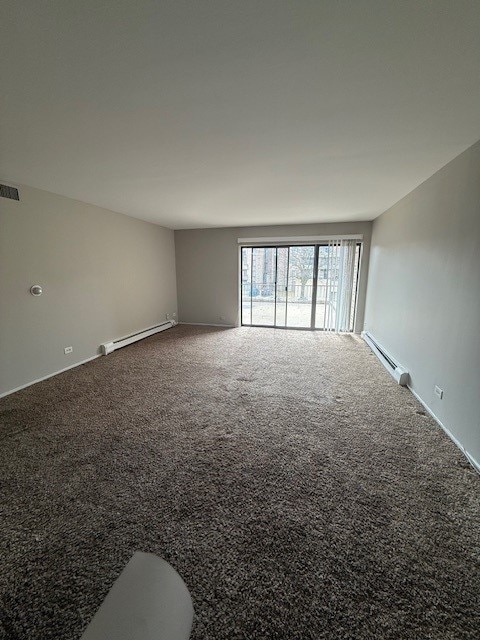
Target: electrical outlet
[(438, 392), (167, 316), (68, 350), (222, 318)]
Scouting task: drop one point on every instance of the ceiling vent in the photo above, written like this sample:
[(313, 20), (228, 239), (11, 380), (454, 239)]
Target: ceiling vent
[(9, 192)]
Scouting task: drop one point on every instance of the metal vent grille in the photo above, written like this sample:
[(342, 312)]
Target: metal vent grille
[(9, 192)]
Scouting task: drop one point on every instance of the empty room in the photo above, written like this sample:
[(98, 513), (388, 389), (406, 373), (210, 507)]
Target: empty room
[(239, 315)]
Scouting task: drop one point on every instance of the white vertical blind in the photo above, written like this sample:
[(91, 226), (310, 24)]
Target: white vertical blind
[(331, 285), (340, 285), (346, 268)]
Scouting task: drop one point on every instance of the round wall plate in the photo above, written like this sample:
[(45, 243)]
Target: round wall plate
[(36, 290)]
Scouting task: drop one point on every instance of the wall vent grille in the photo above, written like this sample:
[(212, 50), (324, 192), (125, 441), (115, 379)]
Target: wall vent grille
[(9, 192)]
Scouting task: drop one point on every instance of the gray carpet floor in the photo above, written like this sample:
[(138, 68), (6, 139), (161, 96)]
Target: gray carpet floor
[(297, 489)]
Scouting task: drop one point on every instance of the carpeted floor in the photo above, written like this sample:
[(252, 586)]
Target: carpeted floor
[(297, 489)]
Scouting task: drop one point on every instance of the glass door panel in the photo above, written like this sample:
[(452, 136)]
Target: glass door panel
[(263, 270), (326, 288), (282, 287), (246, 286), (300, 286)]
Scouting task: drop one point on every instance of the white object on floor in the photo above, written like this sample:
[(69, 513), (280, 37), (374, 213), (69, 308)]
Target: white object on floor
[(108, 347), (149, 601), (399, 373)]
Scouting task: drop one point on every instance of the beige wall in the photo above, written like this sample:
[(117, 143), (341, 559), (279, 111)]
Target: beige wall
[(423, 302), (208, 265), (104, 275)]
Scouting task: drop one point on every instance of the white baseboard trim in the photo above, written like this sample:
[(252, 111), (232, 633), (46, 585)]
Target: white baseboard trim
[(470, 458), (50, 375), (209, 324)]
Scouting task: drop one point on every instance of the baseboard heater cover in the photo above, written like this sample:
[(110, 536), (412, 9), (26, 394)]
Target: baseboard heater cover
[(108, 347), (399, 373)]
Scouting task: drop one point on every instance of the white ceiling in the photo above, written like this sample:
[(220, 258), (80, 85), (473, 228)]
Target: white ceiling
[(237, 112)]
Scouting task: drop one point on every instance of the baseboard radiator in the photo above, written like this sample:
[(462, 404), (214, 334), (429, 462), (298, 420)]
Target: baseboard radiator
[(108, 347), (399, 373)]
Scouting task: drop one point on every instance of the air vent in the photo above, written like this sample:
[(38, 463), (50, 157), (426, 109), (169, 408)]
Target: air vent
[(9, 192)]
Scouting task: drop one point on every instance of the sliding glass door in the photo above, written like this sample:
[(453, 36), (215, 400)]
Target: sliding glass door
[(300, 286)]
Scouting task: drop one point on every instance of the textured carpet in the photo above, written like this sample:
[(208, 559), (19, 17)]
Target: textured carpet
[(297, 489)]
